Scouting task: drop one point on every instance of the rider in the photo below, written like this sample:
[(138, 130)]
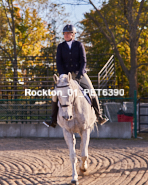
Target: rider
[(71, 57)]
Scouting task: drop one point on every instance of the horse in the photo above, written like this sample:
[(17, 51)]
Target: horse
[(75, 115)]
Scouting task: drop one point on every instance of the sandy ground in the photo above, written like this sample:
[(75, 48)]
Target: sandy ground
[(46, 161)]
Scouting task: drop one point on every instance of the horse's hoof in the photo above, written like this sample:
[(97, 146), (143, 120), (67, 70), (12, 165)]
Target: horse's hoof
[(74, 182), (83, 170)]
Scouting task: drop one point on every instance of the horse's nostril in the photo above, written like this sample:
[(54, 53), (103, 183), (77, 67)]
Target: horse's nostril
[(67, 117)]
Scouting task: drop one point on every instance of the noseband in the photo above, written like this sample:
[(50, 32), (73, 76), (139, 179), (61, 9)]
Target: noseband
[(63, 87)]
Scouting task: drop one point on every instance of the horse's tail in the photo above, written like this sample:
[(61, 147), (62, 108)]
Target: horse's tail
[(95, 125)]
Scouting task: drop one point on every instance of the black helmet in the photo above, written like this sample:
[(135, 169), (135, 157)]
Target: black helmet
[(69, 28)]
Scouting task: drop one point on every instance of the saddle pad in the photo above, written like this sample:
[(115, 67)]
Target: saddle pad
[(85, 95)]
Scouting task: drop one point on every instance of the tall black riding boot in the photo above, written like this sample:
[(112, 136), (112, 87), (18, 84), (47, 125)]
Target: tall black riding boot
[(54, 113), (96, 107)]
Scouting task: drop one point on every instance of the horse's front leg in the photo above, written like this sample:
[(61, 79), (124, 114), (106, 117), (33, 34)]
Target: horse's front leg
[(71, 141), (85, 137)]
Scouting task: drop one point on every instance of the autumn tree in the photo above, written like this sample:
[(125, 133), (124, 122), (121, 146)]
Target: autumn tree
[(55, 17), (133, 23), (8, 9), (99, 44), (25, 34)]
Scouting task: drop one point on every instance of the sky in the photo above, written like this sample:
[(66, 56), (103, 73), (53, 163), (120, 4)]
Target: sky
[(77, 11)]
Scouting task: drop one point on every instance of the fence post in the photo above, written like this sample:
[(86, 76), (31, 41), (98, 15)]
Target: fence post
[(135, 114)]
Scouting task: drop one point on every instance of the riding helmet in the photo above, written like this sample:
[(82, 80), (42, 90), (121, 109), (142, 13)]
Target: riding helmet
[(69, 28)]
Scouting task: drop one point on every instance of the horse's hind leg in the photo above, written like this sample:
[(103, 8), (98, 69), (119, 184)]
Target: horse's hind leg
[(85, 137), (71, 141)]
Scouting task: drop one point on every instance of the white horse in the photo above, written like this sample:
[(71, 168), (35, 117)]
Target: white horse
[(75, 115)]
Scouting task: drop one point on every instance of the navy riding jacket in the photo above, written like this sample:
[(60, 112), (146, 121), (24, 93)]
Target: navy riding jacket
[(71, 60)]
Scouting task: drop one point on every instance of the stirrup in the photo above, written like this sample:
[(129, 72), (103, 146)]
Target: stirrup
[(45, 124), (49, 123)]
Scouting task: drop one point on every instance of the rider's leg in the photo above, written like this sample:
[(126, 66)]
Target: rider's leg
[(54, 112), (86, 82)]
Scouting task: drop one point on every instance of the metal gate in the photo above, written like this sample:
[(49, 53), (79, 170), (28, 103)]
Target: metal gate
[(143, 115)]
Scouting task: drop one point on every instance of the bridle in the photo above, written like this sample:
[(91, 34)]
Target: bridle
[(63, 87)]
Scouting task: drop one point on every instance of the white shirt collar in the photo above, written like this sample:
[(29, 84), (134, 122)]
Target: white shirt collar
[(69, 44)]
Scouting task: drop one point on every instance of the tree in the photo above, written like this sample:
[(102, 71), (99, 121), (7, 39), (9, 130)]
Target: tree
[(9, 16), (22, 33), (52, 13), (135, 20), (91, 34)]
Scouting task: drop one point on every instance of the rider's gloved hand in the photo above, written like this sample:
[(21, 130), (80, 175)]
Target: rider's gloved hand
[(78, 78)]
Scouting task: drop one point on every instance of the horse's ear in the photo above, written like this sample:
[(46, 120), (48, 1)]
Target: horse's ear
[(69, 76), (55, 78)]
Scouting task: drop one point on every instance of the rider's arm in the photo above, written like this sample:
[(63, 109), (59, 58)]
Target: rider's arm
[(59, 62), (82, 60)]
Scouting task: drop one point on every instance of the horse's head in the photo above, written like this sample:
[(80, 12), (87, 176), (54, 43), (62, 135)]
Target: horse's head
[(65, 96)]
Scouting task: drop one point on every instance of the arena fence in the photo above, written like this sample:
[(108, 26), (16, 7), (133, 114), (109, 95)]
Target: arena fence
[(36, 72), (35, 111), (143, 115), (25, 110)]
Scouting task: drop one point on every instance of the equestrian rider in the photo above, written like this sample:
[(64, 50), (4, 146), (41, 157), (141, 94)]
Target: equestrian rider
[(71, 57)]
